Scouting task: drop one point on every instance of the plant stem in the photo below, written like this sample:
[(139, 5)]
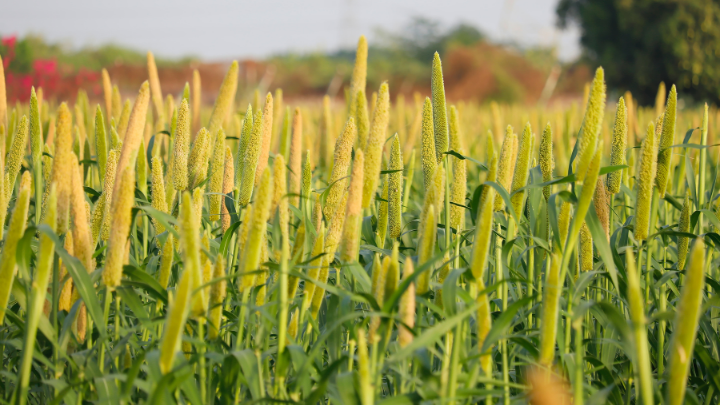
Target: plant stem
[(448, 178), (663, 308), (201, 363), (579, 370), (106, 315)]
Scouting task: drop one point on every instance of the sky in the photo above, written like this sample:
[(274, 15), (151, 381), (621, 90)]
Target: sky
[(224, 29)]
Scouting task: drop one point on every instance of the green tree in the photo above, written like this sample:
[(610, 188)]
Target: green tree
[(643, 42)]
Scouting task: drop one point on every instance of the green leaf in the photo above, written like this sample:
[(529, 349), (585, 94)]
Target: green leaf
[(502, 323), (463, 157), (138, 278), (433, 334), (81, 278), (601, 244)]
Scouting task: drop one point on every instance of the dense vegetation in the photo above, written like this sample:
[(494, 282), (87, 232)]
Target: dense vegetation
[(643, 42), (159, 251)]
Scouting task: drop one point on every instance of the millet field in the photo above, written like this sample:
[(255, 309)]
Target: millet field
[(164, 250)]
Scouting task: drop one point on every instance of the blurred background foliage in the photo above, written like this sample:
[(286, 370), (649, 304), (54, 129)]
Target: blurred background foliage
[(643, 42), (477, 69)]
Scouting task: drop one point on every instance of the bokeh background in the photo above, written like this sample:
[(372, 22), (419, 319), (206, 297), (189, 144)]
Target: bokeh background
[(510, 51)]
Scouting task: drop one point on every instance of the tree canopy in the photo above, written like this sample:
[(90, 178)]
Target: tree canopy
[(643, 42)]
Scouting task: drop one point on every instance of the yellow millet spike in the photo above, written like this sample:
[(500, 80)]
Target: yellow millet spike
[(335, 228), (61, 170), (16, 229), (341, 163), (667, 139), (434, 196), (280, 186), (645, 180), (258, 226), (325, 135), (585, 251), (406, 312), (483, 235), (601, 202), (176, 319), (97, 219), (429, 162), (228, 186), (158, 192), (306, 178), (100, 142), (522, 169), (295, 159), (395, 189), (81, 233), (505, 165), (247, 127), (373, 149), (108, 189), (440, 122), (3, 97), (353, 215), (157, 98), (250, 159), (266, 134), (123, 120), (619, 143), (660, 99), (685, 325), (196, 159), (224, 100), (16, 154), (362, 120), (564, 221), (134, 133), (122, 203), (592, 123), (426, 248), (359, 74), (116, 110), (314, 269), (196, 100), (217, 173), (377, 288), (217, 296), (491, 176), (382, 223), (181, 147), (107, 91), (546, 159)]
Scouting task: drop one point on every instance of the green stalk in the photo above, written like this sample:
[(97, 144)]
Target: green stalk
[(117, 327), (663, 308), (650, 244), (106, 314), (579, 371), (243, 314), (46, 255), (702, 167), (643, 383), (531, 281), (448, 236), (455, 363), (282, 318), (201, 364), (503, 343), (446, 360), (54, 312)]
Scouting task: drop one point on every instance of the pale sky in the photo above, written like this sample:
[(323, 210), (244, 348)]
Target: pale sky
[(224, 29)]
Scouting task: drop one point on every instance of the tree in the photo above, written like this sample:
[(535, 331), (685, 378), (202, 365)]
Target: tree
[(643, 42)]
